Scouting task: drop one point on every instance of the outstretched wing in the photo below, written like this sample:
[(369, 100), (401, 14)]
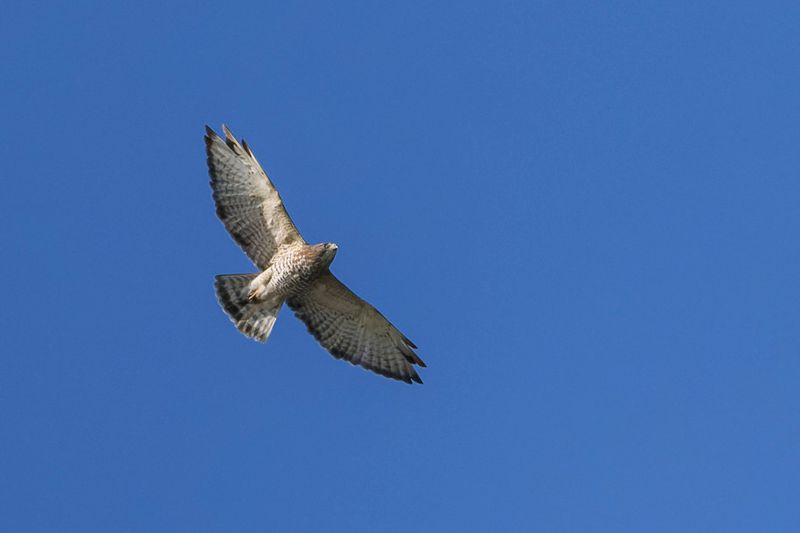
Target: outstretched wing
[(351, 329), (247, 202)]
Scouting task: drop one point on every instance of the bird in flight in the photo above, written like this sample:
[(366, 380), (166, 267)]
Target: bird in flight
[(293, 271)]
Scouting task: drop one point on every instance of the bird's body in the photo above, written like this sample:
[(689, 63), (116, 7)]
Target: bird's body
[(293, 271)]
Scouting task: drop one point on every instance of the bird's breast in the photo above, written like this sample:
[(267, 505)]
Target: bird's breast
[(295, 269)]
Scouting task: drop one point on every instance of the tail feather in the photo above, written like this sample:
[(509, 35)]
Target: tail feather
[(253, 318)]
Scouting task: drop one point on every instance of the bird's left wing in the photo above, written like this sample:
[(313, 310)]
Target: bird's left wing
[(351, 329), (247, 202)]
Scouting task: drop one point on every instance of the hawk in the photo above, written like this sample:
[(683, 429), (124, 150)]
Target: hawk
[(293, 271)]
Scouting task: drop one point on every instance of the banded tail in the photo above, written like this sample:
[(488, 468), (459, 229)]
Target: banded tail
[(253, 318)]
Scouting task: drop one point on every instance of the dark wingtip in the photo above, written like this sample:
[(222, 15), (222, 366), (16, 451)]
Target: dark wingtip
[(411, 357), (408, 341), (247, 149), (209, 138)]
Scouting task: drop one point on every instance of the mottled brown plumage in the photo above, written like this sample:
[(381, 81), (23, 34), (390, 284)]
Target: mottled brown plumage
[(293, 271)]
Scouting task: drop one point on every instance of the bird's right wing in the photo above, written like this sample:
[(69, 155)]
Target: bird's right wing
[(351, 329), (247, 202)]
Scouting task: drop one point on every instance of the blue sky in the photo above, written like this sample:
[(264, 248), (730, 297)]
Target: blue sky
[(584, 214)]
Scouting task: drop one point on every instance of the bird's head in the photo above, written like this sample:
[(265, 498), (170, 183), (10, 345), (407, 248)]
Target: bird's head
[(328, 252)]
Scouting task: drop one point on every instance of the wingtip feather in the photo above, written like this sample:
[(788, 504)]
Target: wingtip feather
[(228, 133), (408, 341)]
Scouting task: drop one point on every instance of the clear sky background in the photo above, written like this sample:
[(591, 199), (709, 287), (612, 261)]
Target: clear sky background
[(585, 215)]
